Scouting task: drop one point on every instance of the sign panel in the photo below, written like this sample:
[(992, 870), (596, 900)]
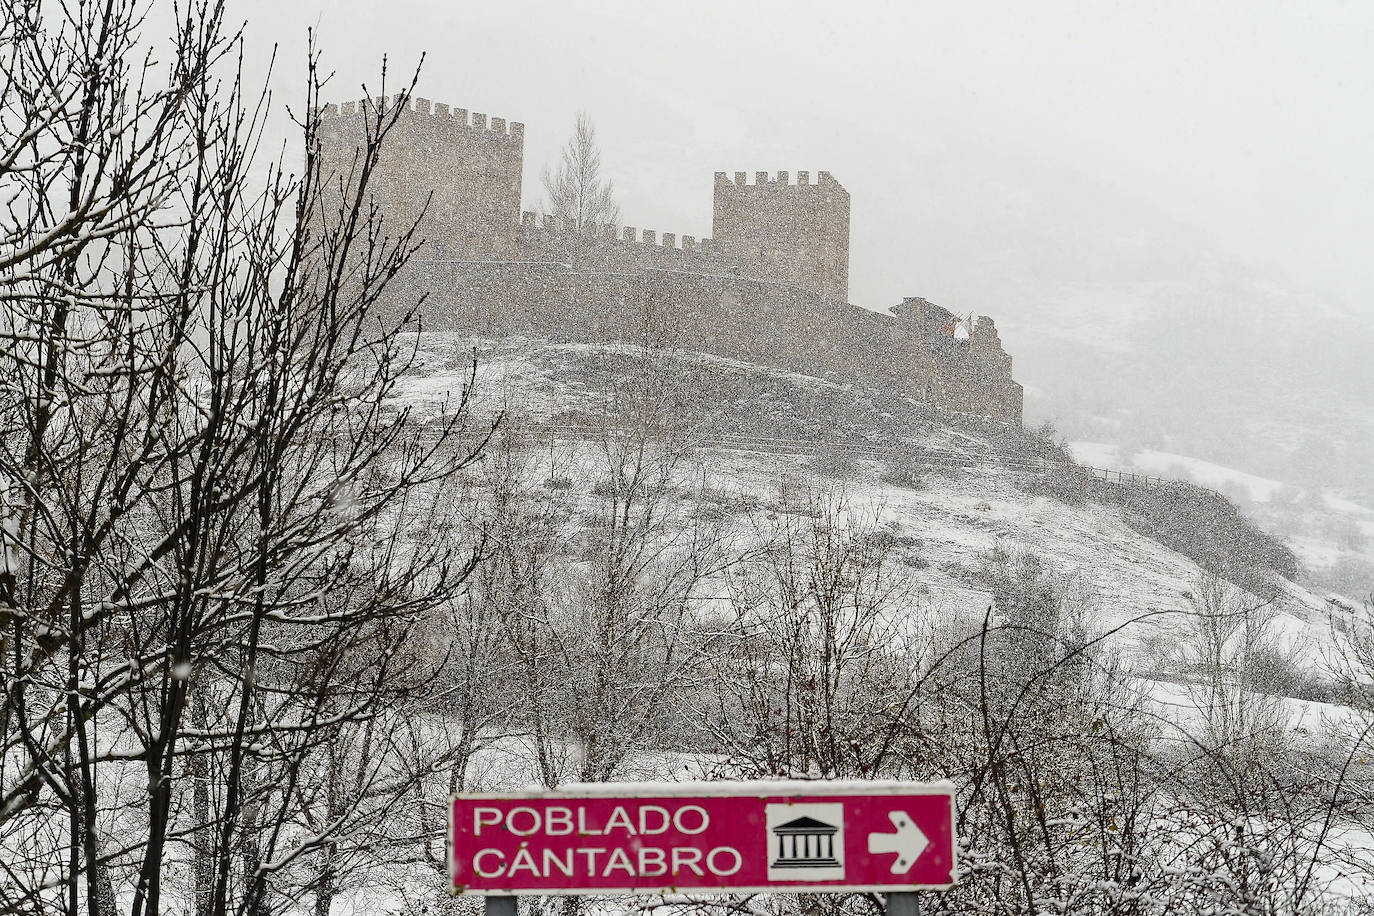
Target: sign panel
[(692, 838)]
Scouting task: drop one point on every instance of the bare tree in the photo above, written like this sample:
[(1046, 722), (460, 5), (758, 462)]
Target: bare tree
[(528, 515), (595, 588), (816, 659), (576, 192), (1226, 638), (216, 520)]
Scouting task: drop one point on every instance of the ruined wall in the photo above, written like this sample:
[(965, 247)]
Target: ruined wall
[(973, 372), (795, 234), (461, 170)]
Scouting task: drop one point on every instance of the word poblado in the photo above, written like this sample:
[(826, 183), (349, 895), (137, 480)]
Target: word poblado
[(556, 820)]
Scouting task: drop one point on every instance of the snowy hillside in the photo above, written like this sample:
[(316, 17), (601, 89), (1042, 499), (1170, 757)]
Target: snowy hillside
[(950, 521), (1332, 533), (1202, 356), (1201, 359)]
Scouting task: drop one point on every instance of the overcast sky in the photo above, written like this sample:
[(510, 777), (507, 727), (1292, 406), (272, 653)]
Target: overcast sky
[(961, 129)]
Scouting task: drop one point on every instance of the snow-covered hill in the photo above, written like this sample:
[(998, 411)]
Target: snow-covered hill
[(1129, 581)]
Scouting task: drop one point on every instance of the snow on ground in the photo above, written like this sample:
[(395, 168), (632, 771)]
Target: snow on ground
[(539, 378), (1323, 529), (1314, 550), (1126, 578), (1096, 454), (1205, 472), (1182, 710), (1129, 580), (1341, 504), (506, 371)]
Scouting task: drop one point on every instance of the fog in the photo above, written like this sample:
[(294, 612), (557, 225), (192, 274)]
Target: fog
[(1164, 206)]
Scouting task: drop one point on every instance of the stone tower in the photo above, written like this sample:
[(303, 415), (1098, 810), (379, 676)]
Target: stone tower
[(466, 168), (794, 234)]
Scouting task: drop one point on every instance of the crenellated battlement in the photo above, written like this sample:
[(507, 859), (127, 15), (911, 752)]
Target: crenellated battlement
[(441, 114), (776, 180), (550, 225), (452, 173), (784, 231)]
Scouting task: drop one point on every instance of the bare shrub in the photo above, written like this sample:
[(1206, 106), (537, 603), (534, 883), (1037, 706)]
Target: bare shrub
[(1067, 484), (808, 671), (835, 464)]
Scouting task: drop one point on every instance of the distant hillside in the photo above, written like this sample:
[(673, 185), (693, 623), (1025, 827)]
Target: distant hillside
[(1237, 373)]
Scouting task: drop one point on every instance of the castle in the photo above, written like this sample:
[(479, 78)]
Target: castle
[(771, 285)]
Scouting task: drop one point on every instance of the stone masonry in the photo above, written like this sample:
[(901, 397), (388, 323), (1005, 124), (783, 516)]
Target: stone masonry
[(795, 234), (456, 173)]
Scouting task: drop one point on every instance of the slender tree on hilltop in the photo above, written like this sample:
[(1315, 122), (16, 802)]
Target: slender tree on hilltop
[(577, 195)]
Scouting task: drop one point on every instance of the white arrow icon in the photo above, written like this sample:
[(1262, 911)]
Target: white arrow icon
[(908, 842)]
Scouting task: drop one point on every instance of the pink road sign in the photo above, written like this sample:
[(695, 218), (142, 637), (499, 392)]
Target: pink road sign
[(691, 838)]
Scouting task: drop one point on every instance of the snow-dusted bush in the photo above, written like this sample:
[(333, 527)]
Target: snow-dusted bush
[(1068, 484), (1206, 527)]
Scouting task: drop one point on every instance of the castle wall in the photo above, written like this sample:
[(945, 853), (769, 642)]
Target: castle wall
[(461, 171), (975, 372), (738, 318), (607, 248), (796, 234)]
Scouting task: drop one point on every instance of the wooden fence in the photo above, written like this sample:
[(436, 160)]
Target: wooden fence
[(861, 449)]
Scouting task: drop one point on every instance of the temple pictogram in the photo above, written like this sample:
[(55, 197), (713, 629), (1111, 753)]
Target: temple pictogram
[(805, 843)]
